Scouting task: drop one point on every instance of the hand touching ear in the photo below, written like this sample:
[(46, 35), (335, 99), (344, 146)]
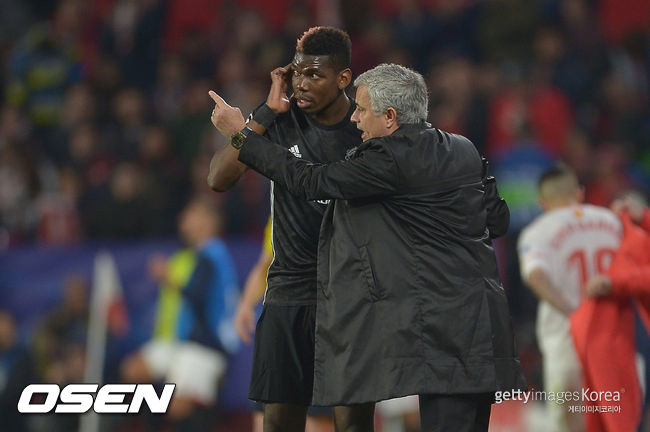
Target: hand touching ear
[(280, 80)]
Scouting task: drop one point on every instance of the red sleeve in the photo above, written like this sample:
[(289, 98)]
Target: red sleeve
[(630, 269), (645, 222), (635, 281)]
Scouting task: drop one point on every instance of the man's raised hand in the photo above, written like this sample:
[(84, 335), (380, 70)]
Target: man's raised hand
[(227, 119), (280, 80), (599, 286)]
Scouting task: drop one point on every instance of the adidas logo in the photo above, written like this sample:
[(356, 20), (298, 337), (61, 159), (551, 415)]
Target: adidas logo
[(296, 151)]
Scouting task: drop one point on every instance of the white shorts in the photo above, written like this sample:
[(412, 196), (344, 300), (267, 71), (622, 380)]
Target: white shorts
[(562, 372), (562, 369), (195, 369), (392, 412), (399, 406)]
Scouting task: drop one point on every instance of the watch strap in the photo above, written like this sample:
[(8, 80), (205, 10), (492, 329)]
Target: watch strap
[(245, 131)]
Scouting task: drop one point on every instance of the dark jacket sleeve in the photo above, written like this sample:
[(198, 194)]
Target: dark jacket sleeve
[(372, 172), (498, 213)]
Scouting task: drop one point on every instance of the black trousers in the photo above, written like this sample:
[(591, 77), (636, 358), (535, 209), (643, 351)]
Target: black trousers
[(455, 413)]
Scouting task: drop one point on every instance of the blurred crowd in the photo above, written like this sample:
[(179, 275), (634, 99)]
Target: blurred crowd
[(104, 123), (104, 115)]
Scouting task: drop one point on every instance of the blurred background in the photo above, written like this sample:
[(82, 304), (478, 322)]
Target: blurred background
[(105, 136)]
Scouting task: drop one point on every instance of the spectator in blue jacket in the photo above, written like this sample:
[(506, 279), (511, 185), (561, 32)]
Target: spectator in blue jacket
[(194, 356)]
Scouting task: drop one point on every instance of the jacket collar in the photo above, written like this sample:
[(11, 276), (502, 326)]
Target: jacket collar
[(400, 131), (410, 127)]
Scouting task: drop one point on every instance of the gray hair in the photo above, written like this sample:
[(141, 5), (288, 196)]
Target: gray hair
[(392, 85)]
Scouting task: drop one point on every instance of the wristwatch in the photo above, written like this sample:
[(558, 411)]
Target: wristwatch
[(237, 139)]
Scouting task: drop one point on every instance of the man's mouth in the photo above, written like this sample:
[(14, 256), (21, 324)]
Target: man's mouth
[(303, 102)]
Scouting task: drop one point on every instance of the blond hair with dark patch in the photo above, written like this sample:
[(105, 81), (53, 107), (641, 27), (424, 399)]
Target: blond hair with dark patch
[(558, 184)]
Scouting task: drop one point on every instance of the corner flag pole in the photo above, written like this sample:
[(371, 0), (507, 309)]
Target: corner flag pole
[(105, 289)]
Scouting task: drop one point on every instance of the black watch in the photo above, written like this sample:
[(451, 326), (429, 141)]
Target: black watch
[(237, 139)]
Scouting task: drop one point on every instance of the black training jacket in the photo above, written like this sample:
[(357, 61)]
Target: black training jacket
[(409, 298)]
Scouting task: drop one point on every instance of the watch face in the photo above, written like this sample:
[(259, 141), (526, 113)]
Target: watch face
[(237, 140)]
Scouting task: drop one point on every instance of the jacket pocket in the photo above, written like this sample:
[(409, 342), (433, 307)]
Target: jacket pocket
[(368, 275)]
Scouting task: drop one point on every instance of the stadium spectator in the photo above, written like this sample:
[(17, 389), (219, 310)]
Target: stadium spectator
[(188, 129), (129, 121), (79, 108), (134, 36), (58, 218), (172, 83), (43, 65), (164, 179), (59, 348), (61, 336), (119, 209), (15, 373), (87, 157), (610, 178), (20, 184)]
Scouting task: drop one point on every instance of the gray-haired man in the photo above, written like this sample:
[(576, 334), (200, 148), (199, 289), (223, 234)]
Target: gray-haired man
[(409, 298)]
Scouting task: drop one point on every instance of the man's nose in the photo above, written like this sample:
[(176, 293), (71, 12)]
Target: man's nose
[(354, 118), (300, 83)]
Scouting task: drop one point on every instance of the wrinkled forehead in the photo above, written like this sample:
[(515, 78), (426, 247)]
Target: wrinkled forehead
[(304, 61)]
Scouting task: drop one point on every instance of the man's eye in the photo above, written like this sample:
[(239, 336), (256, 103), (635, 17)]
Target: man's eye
[(295, 73), (314, 76)]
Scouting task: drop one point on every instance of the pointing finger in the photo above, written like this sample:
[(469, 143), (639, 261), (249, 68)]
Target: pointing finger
[(218, 100)]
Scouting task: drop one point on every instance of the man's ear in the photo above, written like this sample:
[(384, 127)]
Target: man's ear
[(390, 117), (344, 78)]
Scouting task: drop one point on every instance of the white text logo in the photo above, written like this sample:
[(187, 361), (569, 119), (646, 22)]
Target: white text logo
[(79, 398), (296, 151)]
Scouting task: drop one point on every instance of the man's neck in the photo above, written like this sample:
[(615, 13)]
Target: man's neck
[(562, 204), (202, 241), (335, 112)]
